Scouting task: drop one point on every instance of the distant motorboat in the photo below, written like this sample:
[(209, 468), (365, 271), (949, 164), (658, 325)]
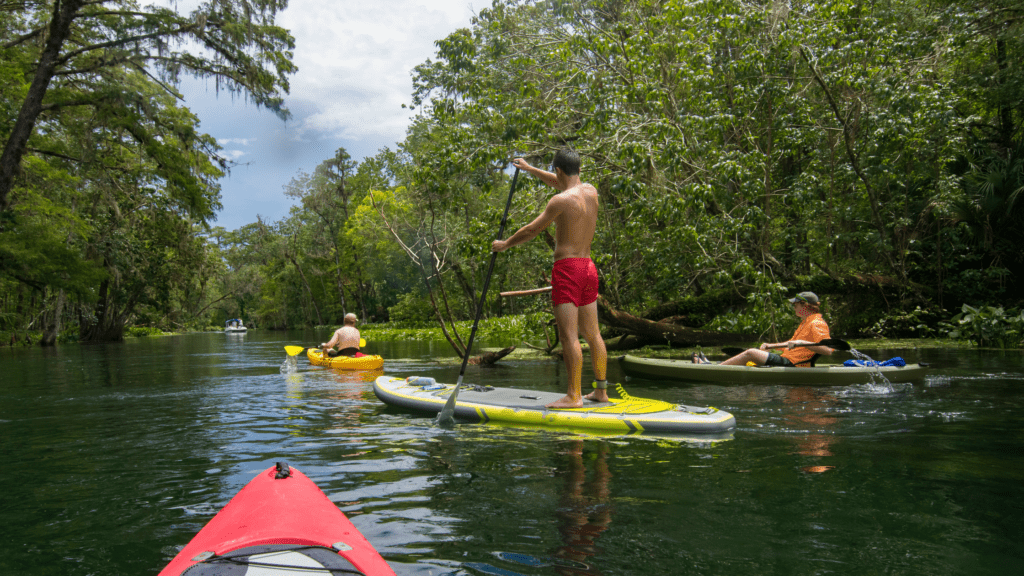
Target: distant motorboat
[(234, 325)]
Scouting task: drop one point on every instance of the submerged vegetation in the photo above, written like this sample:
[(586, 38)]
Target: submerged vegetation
[(871, 153)]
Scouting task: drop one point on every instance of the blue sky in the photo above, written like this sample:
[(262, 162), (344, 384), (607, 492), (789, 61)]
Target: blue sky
[(355, 60)]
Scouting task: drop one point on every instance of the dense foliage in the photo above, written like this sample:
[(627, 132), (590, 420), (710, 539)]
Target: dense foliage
[(871, 153), (106, 186)]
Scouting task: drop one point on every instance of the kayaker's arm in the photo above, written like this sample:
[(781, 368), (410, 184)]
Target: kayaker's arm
[(334, 340), (790, 344), (823, 350)]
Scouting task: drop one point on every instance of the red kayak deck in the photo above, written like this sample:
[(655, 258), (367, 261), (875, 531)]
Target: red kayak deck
[(279, 522)]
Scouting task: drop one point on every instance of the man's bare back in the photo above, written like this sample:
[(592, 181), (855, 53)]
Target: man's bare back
[(345, 337), (574, 212), (576, 221)]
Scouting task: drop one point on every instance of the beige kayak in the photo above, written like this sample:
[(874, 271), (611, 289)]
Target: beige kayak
[(830, 375)]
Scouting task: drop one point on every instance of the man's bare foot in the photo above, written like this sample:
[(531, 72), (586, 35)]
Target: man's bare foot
[(598, 395), (567, 402)]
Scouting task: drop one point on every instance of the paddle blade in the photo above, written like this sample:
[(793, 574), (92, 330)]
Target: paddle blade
[(293, 350), (836, 344), (446, 417), (362, 342)]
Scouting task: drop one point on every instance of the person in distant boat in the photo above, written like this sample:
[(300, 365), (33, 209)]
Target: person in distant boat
[(346, 339), (574, 276), (812, 328)]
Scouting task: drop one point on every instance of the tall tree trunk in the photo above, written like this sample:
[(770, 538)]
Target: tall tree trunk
[(64, 12), (53, 321), (362, 287), (894, 261), (108, 325), (309, 290), (1006, 127), (340, 280)]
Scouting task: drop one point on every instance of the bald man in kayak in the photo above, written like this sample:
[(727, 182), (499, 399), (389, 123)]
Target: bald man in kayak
[(574, 276), (346, 339)]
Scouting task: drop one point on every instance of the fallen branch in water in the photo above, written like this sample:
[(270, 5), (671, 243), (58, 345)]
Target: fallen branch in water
[(491, 357)]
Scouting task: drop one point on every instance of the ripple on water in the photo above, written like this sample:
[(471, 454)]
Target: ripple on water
[(122, 458)]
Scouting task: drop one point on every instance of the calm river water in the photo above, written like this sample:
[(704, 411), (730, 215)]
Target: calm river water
[(114, 456)]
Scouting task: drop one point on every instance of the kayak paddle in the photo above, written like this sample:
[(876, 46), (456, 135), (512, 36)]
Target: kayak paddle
[(446, 417), (833, 343), (295, 350)]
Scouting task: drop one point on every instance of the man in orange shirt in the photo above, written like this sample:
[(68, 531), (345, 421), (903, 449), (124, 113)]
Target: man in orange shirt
[(812, 329)]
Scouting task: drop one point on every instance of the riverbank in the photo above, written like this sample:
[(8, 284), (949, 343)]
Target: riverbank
[(526, 333), (25, 338)]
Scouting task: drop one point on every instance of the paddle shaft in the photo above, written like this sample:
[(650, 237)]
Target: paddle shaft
[(487, 280), (449, 406), (830, 342)]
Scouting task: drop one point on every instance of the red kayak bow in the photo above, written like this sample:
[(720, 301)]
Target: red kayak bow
[(280, 523)]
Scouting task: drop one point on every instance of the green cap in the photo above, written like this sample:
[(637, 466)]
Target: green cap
[(806, 297)]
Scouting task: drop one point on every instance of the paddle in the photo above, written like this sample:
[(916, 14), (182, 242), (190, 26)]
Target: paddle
[(294, 350), (446, 417), (830, 342)]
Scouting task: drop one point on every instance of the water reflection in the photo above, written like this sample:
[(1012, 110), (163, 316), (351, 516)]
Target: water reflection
[(811, 409), (585, 511), (582, 513), (355, 376)]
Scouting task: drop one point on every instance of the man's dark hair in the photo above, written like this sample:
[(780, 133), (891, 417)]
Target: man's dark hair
[(568, 160)]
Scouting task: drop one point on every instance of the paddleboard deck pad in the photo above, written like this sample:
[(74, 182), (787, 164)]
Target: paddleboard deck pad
[(626, 414), (279, 524)]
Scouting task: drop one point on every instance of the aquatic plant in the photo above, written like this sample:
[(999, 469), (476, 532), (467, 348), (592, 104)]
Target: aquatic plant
[(140, 331), (917, 323), (502, 331), (989, 326)]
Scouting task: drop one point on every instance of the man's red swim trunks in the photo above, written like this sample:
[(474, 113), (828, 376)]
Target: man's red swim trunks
[(574, 280)]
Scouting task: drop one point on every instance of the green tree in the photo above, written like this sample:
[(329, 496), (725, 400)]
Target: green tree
[(82, 41), (105, 183), (326, 196)]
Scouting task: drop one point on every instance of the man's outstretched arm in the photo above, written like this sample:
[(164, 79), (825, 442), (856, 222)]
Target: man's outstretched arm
[(544, 176), (530, 231)]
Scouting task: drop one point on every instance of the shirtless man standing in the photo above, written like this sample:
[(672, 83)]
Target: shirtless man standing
[(345, 338), (574, 276)]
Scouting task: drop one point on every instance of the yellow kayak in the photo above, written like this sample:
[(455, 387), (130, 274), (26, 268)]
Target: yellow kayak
[(316, 358)]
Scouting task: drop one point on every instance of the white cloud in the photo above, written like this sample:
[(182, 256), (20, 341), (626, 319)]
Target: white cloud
[(242, 141), (355, 60)]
